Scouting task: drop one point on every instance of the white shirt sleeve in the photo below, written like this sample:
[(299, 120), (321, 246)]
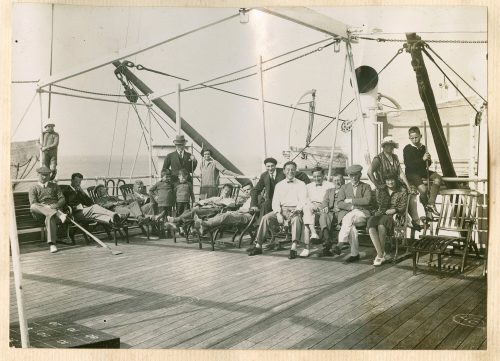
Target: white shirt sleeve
[(276, 203), (301, 195)]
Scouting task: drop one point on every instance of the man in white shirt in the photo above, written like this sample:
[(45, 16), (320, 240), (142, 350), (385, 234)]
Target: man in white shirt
[(290, 196), (315, 194)]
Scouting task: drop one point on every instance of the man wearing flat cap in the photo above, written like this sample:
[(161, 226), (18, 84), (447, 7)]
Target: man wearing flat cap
[(180, 159), (353, 202), (50, 142), (46, 202), (268, 181)]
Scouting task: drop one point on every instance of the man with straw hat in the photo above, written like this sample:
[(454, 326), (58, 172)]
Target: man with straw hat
[(180, 159), (46, 202), (50, 142)]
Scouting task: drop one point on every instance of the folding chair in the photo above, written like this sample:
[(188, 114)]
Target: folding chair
[(458, 212)]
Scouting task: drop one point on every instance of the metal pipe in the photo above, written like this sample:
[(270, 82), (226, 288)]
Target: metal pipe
[(262, 106), (178, 120), (186, 127), (18, 276)]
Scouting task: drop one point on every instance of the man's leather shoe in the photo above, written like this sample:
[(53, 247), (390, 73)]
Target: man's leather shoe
[(293, 254), (325, 252), (255, 251), (352, 259), (432, 208), (337, 250), (417, 227)]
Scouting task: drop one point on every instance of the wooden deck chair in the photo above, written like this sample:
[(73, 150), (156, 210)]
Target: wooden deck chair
[(458, 212), (126, 190), (91, 192), (399, 231), (93, 195)]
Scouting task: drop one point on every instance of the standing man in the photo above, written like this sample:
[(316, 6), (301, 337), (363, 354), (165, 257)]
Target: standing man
[(354, 200), (180, 159), (268, 181), (315, 194), (50, 142), (46, 202), (290, 196), (328, 218), (417, 160)]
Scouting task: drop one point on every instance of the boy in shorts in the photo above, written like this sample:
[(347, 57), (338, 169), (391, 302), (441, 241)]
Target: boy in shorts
[(417, 159)]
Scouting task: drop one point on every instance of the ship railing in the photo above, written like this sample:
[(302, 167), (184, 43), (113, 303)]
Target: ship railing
[(480, 233)]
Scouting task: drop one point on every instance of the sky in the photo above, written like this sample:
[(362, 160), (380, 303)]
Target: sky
[(232, 124)]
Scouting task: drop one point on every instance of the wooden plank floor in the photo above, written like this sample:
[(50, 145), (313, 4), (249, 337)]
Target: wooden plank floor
[(158, 294)]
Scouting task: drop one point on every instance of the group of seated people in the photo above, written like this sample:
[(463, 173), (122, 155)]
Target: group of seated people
[(282, 196), (344, 207)]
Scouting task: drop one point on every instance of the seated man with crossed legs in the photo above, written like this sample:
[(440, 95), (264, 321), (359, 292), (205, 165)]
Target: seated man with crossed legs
[(315, 193), (328, 218), (239, 217), (289, 197), (354, 200)]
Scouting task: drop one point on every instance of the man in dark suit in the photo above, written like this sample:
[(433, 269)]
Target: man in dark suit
[(82, 206), (354, 200), (268, 181), (180, 159)]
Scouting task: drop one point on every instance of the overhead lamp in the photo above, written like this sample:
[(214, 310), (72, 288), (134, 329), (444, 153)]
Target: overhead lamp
[(244, 15), (336, 46)]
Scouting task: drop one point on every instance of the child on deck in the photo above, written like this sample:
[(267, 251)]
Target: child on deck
[(183, 192), (162, 195), (417, 160)]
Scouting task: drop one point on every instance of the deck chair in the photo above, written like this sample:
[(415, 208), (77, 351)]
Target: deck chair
[(93, 195), (187, 226), (236, 230), (126, 190), (458, 212)]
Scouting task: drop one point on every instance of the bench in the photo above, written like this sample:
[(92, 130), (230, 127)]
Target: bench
[(24, 219)]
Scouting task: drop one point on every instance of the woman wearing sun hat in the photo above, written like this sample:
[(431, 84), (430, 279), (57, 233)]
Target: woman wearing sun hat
[(386, 162)]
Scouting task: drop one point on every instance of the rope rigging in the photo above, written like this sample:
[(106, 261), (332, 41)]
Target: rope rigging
[(203, 85), (451, 82), (24, 114), (440, 58), (380, 40), (400, 51)]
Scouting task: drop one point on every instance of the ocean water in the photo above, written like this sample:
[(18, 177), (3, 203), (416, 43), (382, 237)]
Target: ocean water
[(118, 167)]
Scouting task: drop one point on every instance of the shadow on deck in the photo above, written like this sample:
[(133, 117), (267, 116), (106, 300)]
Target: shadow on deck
[(160, 294)]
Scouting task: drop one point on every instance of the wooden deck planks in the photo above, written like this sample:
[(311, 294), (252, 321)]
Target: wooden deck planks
[(427, 328), (440, 333), (327, 310), (264, 291), (399, 314), (160, 294), (462, 330), (404, 328)]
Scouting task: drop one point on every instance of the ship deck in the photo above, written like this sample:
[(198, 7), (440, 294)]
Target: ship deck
[(161, 294)]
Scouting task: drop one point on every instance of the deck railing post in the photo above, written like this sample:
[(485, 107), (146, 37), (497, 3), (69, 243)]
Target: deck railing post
[(18, 278)]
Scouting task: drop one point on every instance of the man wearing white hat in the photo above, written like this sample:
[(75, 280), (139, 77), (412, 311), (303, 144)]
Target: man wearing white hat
[(46, 202), (180, 159), (50, 142)]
